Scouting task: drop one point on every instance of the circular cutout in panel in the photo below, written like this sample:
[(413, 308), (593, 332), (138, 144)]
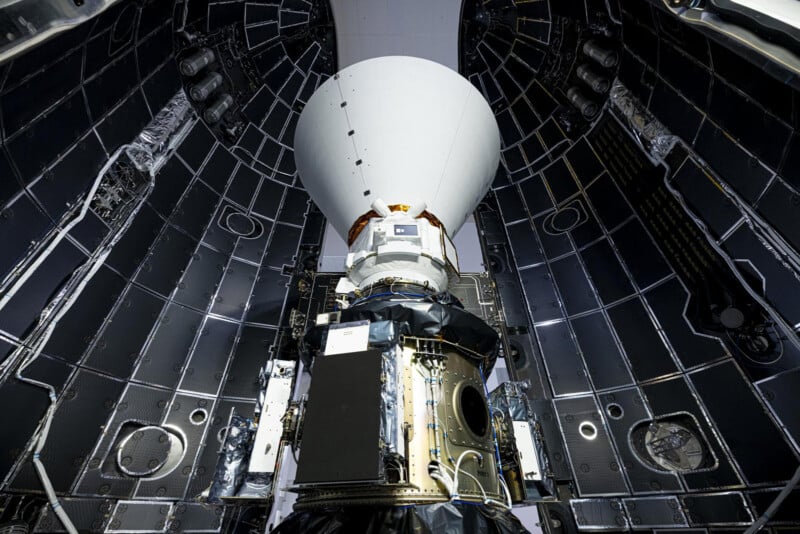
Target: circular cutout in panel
[(122, 30), (673, 447), (198, 417), (614, 411), (565, 219), (144, 451), (474, 411), (587, 430), (240, 224)]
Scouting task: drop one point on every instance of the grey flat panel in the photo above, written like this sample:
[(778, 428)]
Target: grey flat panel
[(342, 423)]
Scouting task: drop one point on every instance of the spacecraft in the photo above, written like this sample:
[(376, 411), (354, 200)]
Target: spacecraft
[(358, 266)]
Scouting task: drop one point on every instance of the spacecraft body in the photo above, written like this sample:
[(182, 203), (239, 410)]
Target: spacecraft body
[(397, 152)]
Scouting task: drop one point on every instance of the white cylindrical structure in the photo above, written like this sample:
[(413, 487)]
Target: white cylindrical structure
[(396, 131)]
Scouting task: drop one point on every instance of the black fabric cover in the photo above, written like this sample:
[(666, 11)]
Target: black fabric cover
[(439, 518), (423, 318)]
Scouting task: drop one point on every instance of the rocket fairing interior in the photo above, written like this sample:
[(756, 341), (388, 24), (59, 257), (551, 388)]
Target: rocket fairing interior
[(172, 360)]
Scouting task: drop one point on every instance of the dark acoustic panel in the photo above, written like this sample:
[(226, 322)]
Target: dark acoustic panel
[(524, 244), (129, 252), (21, 224), (120, 344), (243, 185), (789, 511), (610, 280), (564, 366), (163, 360), (573, 285), (201, 278), (166, 262), (560, 181), (342, 422), (608, 202), (705, 197), (739, 170), (767, 274), (604, 360), (535, 194), (587, 230), (196, 210), (197, 146), (170, 184), (30, 404), (269, 198), (734, 407), (78, 422), (595, 466), (543, 303), (71, 177), (266, 302), (283, 246), (668, 302), (624, 409), (648, 355), (234, 291), (720, 509), (554, 244), (218, 169), (598, 514), (206, 367), (510, 203), (780, 392), (584, 162), (21, 313), (174, 484), (250, 355), (655, 512), (78, 327), (674, 396)]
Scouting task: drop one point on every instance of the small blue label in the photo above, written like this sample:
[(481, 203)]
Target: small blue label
[(405, 229)]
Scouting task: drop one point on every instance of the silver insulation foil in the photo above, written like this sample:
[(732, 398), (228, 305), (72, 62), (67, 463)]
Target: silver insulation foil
[(150, 149), (232, 463), (383, 336), (653, 137)]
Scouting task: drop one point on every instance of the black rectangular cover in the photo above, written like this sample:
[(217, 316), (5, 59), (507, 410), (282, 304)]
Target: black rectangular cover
[(341, 432)]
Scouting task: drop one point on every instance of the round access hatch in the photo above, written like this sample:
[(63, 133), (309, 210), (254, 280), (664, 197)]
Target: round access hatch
[(144, 451)]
